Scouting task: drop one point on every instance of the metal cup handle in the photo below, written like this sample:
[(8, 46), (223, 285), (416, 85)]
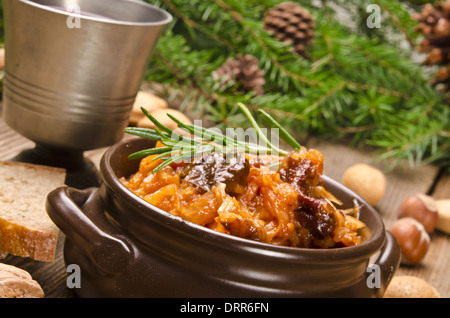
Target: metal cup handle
[(80, 216)]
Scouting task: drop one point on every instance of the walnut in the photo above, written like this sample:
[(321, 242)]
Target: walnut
[(18, 283), (367, 181)]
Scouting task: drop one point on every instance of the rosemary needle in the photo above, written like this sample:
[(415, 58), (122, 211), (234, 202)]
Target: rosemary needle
[(284, 134), (257, 128)]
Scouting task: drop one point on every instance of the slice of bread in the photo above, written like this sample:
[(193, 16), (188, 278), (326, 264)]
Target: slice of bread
[(25, 227)]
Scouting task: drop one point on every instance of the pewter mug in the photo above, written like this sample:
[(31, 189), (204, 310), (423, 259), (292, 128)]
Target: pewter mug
[(73, 68)]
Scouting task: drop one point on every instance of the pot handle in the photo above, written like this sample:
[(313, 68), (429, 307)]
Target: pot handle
[(385, 265), (80, 216)]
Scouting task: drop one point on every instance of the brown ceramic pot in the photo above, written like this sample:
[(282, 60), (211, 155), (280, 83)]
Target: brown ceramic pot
[(126, 247)]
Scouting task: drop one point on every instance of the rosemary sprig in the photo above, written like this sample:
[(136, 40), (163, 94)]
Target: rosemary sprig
[(200, 140)]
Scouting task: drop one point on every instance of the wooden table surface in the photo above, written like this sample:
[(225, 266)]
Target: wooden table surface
[(401, 182)]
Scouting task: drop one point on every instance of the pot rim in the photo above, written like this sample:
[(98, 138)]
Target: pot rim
[(333, 255)]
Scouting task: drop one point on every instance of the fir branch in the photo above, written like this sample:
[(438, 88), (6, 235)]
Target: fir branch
[(250, 29), (324, 97), (381, 90), (403, 23), (191, 23)]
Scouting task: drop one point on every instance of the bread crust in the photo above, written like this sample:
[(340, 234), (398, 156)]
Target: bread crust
[(28, 231), (27, 242)]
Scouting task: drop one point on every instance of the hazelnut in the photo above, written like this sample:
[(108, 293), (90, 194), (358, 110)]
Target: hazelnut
[(443, 222), (406, 286), (413, 239), (421, 207), (366, 181)]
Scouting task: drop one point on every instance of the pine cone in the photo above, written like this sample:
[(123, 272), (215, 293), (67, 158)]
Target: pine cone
[(291, 23), (434, 24), (244, 71)]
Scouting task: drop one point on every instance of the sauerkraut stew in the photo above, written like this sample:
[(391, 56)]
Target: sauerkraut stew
[(274, 199)]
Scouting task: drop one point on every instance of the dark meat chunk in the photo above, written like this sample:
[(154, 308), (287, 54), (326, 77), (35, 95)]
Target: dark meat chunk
[(211, 168), (312, 215), (304, 171)]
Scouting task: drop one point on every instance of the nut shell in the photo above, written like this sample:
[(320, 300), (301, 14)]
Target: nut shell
[(147, 100), (367, 181), (413, 239), (18, 283), (161, 116), (410, 287), (421, 207)]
